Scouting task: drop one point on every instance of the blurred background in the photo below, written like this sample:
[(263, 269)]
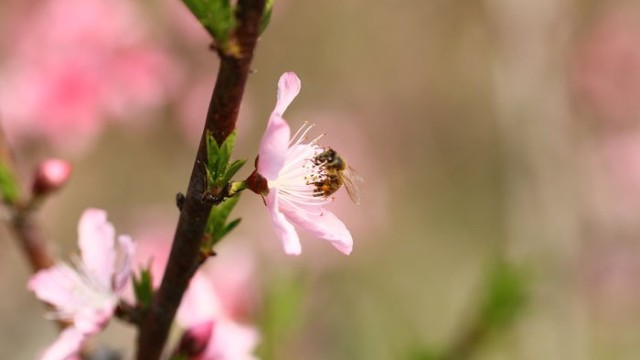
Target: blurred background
[(499, 141)]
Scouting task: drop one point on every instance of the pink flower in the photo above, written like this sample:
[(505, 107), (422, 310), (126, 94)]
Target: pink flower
[(289, 168), (85, 295), (218, 303), (229, 339)]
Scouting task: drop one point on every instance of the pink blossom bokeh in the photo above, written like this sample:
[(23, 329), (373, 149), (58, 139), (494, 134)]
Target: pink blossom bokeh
[(72, 66), (606, 72), (223, 292)]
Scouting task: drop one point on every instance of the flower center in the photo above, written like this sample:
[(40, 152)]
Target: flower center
[(301, 179)]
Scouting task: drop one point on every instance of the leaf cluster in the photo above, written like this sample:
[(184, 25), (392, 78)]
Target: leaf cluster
[(220, 169), (219, 19)]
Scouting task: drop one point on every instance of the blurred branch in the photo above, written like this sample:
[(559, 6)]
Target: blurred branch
[(22, 216), (221, 119), (507, 293)]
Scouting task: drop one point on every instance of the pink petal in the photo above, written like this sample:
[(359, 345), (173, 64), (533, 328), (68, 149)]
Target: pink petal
[(91, 319), (96, 237), (200, 303), (55, 285), (66, 347), (284, 228), (124, 272), (273, 147), (288, 88), (232, 341), (321, 223)]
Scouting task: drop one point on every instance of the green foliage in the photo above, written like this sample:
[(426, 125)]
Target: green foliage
[(266, 15), (219, 19), (422, 353), (143, 288), (281, 314), (219, 169), (9, 188), (217, 225), (217, 16), (507, 294)]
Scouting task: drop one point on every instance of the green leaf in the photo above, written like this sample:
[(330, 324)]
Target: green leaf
[(508, 293), (9, 188), (213, 152), (281, 313), (217, 226), (266, 15), (217, 16), (143, 288), (227, 228), (232, 169), (225, 155)]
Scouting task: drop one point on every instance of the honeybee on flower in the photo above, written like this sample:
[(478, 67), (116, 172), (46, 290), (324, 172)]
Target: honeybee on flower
[(296, 176), (336, 174)]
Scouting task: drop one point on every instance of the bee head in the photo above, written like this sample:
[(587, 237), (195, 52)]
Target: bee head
[(330, 159), (328, 156)]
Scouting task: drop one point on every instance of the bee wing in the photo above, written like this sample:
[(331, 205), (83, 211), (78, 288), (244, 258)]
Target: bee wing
[(352, 181)]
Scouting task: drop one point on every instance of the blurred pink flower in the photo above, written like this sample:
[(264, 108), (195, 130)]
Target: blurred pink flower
[(220, 296), (75, 64), (288, 166), (607, 69), (229, 340), (87, 295), (609, 270), (614, 178)]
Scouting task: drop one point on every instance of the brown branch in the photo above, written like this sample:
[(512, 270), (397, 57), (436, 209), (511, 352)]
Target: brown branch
[(33, 243), (221, 119)]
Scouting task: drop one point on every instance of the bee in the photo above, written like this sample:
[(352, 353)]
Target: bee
[(337, 173)]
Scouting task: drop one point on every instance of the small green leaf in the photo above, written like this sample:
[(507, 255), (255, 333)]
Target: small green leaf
[(227, 229), (213, 151), (232, 169), (9, 188), (143, 288), (217, 16), (508, 293), (266, 15), (217, 226), (225, 154)]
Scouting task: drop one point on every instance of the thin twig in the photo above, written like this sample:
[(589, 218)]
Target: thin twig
[(22, 221), (221, 120)]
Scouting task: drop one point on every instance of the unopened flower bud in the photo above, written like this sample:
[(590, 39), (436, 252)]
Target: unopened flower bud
[(50, 176), (195, 340)]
